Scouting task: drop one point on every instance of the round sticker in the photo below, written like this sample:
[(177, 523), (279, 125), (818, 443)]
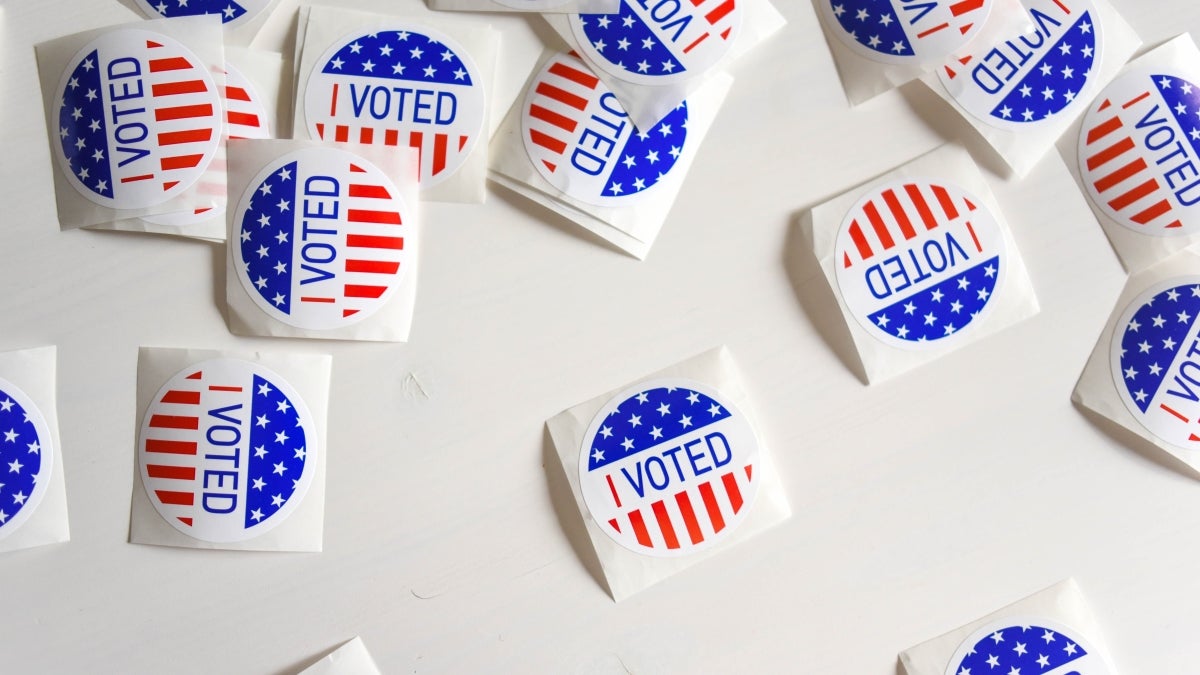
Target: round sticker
[(321, 235), (26, 457), (668, 467), (232, 13), (407, 86), (139, 119), (582, 141), (227, 450), (1154, 360), (1139, 152), (1029, 78), (1027, 646), (906, 32), (918, 262), (659, 41)]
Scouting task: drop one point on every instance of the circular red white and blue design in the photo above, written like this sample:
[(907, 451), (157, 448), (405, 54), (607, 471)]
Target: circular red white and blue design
[(404, 85), (1139, 152), (1029, 78), (893, 31), (227, 450), (659, 41), (26, 457), (669, 467), (322, 238), (1027, 646), (582, 141), (1155, 360), (918, 262), (232, 13), (139, 119)]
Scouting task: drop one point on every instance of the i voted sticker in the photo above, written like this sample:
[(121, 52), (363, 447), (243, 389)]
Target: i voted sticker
[(1027, 646), (1139, 152), (322, 238), (1156, 360), (231, 13), (659, 41), (1032, 77), (582, 141), (227, 450), (668, 467), (905, 31), (918, 262), (139, 119), (26, 457), (406, 86)]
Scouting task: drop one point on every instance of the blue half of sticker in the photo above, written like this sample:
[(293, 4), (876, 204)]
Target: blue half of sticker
[(942, 309), (229, 11), (630, 43), (277, 452), (649, 155), (82, 129), (399, 55), (649, 419), (20, 457), (267, 237), (1153, 338), (874, 25), (1027, 650), (1062, 71), (1183, 103)]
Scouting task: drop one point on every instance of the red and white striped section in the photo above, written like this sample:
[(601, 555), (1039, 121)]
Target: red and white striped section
[(963, 15), (899, 214), (690, 516), (719, 14), (170, 459), (557, 106)]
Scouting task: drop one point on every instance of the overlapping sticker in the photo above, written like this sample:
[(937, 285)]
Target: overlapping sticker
[(1033, 77), (1155, 360), (1139, 152), (407, 86), (919, 261), (899, 31), (26, 457), (582, 141), (227, 450), (1027, 646), (232, 13), (659, 41), (320, 238), (139, 119), (668, 467)]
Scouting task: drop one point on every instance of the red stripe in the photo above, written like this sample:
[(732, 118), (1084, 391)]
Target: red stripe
[(546, 141), (664, 524), (1064, 8), (1133, 195), (363, 291), (933, 30), (731, 488), (179, 87), (173, 63), (558, 120), (309, 298), (183, 112), (341, 134), (216, 387), (180, 162), (893, 204), (613, 489), (720, 12), (189, 136), (860, 242), (171, 447), (176, 498), (172, 472), (1152, 212), (918, 199), (946, 203), (639, 528), (1110, 153), (877, 224), (1173, 412), (366, 135), (369, 191), (689, 517), (374, 267), (354, 168), (372, 241), (694, 43), (238, 94), (380, 217), (974, 237), (414, 141), (391, 137), (1115, 178), (561, 95), (186, 397), (575, 75), (710, 505), (134, 179), (1103, 129), (1134, 101), (174, 422), (965, 6), (333, 101), (439, 153)]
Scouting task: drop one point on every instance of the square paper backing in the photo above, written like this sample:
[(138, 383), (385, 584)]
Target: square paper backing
[(1016, 300), (34, 372), (1023, 149), (647, 104), (632, 229), (1138, 251), (1096, 389), (391, 322), (351, 658), (309, 376), (627, 572), (1062, 602), (320, 27), (200, 34)]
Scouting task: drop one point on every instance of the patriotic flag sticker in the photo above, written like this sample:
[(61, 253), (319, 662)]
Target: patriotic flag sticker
[(1155, 363), (26, 457), (668, 467), (1027, 646), (407, 86), (1032, 77), (1139, 152), (659, 41), (321, 238), (227, 450), (899, 31), (918, 262), (231, 13), (139, 119), (582, 141)]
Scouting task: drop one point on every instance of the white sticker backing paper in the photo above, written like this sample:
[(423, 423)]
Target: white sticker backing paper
[(351, 658), (538, 6)]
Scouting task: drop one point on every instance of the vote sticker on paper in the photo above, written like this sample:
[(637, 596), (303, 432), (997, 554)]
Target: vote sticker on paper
[(227, 450), (231, 13), (906, 31), (1139, 153), (321, 238), (659, 41), (918, 262), (1030, 646), (139, 119), (1032, 77), (410, 86), (668, 467), (26, 457), (582, 141), (1156, 360)]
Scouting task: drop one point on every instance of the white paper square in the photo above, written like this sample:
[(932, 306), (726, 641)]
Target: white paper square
[(351, 658)]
